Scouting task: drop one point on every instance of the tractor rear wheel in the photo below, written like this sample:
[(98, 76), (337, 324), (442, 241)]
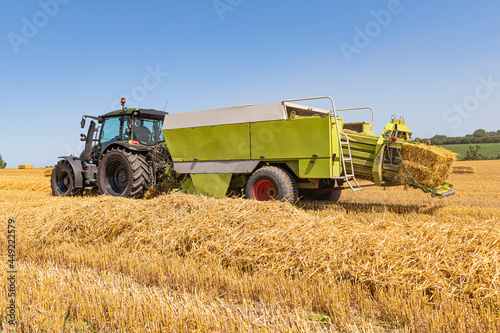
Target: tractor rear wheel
[(271, 183), (122, 173), (62, 180)]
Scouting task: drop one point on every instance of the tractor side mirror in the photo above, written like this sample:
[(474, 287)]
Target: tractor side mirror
[(82, 123)]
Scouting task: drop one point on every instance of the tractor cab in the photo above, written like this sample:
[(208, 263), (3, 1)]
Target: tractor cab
[(135, 129)]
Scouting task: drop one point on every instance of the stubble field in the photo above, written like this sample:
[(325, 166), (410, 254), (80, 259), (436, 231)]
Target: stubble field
[(391, 260)]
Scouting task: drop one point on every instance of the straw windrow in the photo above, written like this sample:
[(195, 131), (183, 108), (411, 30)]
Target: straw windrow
[(463, 169)]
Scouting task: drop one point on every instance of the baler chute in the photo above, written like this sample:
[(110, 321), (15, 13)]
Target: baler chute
[(379, 159)]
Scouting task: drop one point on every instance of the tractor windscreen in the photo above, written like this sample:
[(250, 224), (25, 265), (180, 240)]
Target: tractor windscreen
[(147, 131)]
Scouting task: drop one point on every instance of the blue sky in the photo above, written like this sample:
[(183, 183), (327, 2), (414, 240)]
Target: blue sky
[(435, 63)]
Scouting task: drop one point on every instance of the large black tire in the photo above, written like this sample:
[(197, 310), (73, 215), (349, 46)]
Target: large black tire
[(62, 180), (271, 183), (122, 173)]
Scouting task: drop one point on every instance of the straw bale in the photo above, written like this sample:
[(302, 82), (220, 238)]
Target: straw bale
[(463, 169), (429, 165), (25, 166)]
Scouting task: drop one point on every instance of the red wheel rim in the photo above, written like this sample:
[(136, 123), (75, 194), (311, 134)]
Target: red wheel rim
[(264, 190)]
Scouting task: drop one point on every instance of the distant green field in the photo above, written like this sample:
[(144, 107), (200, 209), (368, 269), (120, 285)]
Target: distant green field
[(490, 150)]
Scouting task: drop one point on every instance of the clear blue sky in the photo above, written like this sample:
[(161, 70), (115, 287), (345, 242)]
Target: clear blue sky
[(435, 63)]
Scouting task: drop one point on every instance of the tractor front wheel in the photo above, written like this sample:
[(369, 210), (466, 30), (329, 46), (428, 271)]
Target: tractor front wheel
[(271, 183), (123, 174), (62, 180)]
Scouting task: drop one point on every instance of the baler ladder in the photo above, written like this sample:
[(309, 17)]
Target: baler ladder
[(351, 175)]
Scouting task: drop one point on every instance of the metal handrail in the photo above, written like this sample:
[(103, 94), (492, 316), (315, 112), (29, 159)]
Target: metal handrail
[(314, 98), (362, 108)]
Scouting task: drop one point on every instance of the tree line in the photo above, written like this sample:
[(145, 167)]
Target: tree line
[(479, 136)]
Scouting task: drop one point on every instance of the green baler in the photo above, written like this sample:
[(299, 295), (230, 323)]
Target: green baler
[(281, 151)]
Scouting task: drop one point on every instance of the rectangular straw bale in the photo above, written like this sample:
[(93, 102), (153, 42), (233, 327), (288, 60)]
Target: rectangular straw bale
[(25, 166), (429, 165), (463, 169)]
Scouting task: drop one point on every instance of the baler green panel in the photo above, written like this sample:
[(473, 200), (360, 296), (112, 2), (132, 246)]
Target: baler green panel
[(321, 168), (361, 155), (362, 163), (369, 148), (211, 184), (292, 139), (337, 164), (360, 171), (294, 166), (209, 143)]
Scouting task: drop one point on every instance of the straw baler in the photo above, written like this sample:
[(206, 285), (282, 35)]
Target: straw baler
[(284, 150)]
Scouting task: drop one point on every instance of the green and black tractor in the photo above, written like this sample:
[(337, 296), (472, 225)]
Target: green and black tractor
[(125, 153)]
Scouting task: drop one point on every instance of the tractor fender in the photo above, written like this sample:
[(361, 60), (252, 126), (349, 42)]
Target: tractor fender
[(77, 165), (128, 146)]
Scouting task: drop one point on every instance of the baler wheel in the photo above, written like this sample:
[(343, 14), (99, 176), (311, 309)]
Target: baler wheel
[(271, 183), (122, 173), (62, 180)]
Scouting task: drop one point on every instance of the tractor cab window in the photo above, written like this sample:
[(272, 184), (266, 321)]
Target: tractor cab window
[(111, 129), (147, 131)]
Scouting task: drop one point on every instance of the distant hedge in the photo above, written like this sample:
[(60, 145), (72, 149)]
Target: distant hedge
[(479, 136)]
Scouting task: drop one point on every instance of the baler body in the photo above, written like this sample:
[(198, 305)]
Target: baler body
[(214, 151), (236, 140)]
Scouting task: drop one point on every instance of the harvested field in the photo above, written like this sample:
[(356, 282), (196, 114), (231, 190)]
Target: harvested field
[(389, 260)]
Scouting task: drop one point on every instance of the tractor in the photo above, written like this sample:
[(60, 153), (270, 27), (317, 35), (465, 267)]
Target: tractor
[(125, 153)]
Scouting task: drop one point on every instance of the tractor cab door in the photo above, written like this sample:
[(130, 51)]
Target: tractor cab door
[(114, 129)]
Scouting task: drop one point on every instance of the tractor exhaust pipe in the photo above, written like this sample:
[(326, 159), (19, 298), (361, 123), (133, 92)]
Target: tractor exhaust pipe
[(88, 142)]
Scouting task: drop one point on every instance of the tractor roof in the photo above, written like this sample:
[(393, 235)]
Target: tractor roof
[(148, 113)]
